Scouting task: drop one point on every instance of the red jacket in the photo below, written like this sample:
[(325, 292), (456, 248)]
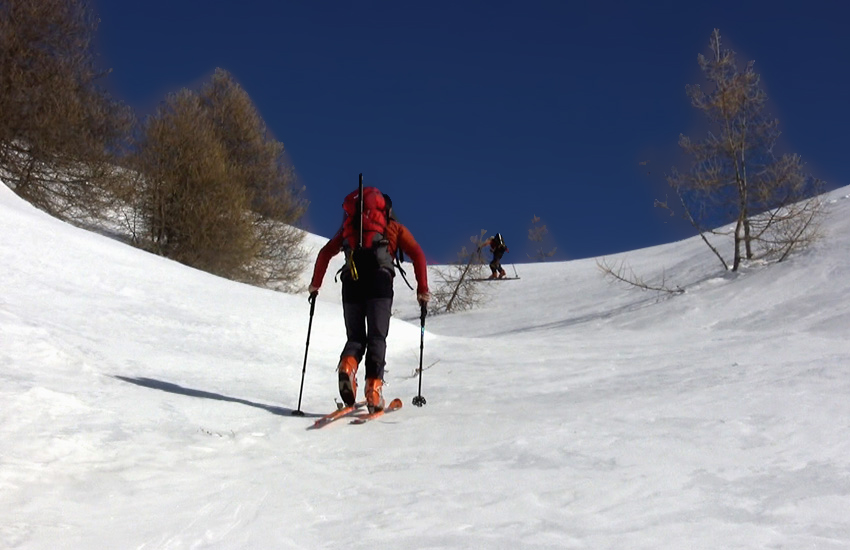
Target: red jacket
[(397, 235)]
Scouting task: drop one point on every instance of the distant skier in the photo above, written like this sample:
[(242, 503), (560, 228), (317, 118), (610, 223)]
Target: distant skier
[(367, 287), (498, 248)]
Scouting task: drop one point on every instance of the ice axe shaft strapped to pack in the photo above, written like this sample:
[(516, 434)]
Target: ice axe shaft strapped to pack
[(360, 211), (352, 265)]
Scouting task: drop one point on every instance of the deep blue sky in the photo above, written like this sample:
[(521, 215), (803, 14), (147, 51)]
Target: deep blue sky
[(480, 114)]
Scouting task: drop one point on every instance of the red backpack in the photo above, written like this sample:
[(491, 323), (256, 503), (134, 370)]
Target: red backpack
[(374, 218), (373, 251)]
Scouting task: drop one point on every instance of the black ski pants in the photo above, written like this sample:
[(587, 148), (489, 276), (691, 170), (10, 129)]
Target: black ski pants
[(496, 264), (367, 307)]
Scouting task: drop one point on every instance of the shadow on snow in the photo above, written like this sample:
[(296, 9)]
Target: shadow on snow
[(180, 390)]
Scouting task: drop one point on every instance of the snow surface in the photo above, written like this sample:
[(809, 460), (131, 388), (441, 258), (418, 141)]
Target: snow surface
[(147, 405)]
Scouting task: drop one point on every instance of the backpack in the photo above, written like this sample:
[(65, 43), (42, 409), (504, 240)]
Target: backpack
[(373, 219), (499, 242), (364, 232), (373, 252)]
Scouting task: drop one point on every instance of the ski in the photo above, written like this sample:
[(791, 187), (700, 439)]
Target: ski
[(336, 415), (394, 405), (501, 279)]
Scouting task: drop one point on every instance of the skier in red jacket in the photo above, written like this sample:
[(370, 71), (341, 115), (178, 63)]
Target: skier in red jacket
[(367, 298)]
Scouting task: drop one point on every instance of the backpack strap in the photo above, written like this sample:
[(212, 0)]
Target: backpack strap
[(398, 259)]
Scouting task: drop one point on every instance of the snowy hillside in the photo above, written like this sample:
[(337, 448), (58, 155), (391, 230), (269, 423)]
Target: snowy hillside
[(147, 405)]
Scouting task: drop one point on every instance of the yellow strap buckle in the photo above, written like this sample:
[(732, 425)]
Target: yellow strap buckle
[(353, 267)]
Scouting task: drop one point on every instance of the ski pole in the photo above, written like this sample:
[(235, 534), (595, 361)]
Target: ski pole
[(419, 400), (312, 300)]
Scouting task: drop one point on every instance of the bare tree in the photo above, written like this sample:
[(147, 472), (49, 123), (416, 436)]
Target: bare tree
[(735, 173), (736, 176), (454, 287), (60, 133), (537, 234)]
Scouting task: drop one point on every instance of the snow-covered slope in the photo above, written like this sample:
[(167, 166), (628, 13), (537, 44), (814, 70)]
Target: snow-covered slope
[(147, 405)]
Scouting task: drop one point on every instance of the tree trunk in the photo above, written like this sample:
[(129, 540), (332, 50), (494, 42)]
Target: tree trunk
[(460, 281), (738, 241)]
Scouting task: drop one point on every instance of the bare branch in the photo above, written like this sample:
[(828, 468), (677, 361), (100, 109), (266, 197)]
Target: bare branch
[(626, 274), (454, 288)]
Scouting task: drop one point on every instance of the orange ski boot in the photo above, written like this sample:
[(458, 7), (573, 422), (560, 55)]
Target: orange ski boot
[(374, 398), (348, 379)]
